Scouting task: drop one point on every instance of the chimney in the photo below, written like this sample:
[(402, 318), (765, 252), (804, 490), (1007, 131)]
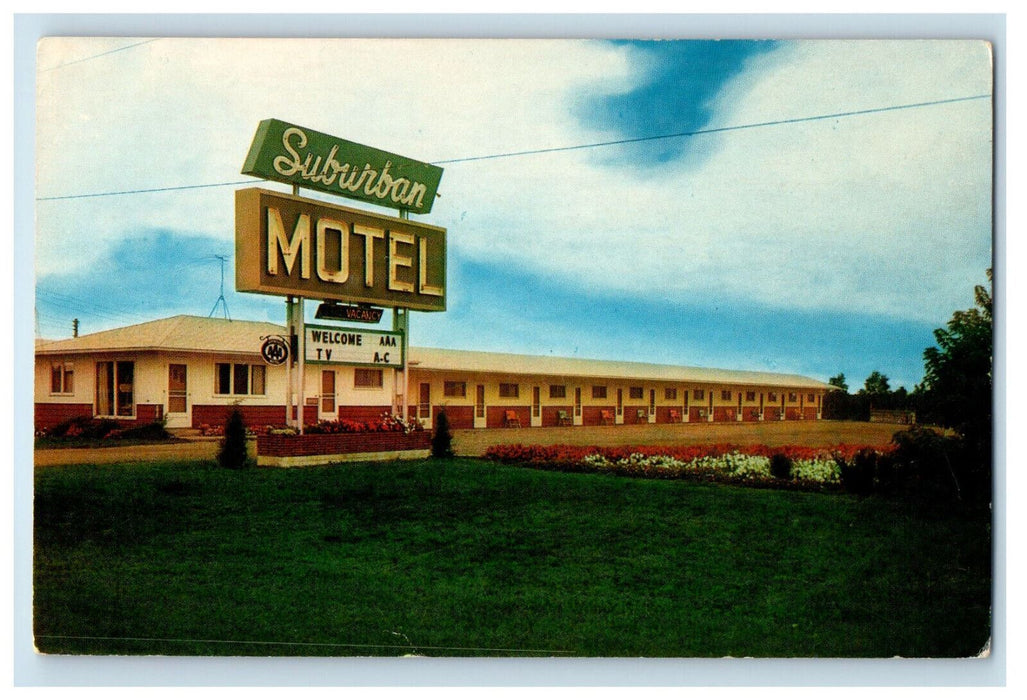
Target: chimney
[(74, 328)]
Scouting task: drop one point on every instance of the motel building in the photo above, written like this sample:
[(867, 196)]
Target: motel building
[(192, 370)]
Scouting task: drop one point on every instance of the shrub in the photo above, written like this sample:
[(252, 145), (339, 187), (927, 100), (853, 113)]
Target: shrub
[(85, 427), (442, 440), (932, 467), (387, 423), (780, 466), (858, 471), (156, 430), (232, 454)]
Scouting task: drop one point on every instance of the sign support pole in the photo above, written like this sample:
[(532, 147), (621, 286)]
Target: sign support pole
[(401, 323), (302, 352), (292, 360), (290, 323), (404, 314)]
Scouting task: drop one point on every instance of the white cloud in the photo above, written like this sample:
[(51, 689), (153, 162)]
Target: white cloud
[(886, 213)]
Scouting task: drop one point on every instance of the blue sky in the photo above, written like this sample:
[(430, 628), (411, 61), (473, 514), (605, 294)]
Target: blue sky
[(814, 246)]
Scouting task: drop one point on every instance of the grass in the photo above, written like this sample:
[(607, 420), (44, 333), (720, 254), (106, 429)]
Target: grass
[(465, 557)]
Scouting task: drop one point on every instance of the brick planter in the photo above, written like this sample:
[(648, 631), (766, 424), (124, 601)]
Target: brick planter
[(310, 450)]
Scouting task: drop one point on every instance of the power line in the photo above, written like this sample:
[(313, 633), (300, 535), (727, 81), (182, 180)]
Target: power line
[(63, 301), (146, 191), (578, 147), (105, 53), (714, 130)]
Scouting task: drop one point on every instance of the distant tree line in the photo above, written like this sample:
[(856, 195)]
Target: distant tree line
[(956, 392), (875, 394)]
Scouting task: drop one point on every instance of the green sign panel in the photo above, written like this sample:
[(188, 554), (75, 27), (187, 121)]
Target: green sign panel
[(299, 156)]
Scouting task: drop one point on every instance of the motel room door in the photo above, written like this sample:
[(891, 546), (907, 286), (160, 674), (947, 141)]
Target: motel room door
[(536, 406), (424, 403), (327, 409), (479, 406), (178, 397)]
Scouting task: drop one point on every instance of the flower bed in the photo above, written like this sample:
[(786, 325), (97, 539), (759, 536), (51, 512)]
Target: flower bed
[(343, 441), (809, 468)]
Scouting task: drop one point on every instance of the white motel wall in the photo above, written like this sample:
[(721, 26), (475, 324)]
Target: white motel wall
[(191, 371)]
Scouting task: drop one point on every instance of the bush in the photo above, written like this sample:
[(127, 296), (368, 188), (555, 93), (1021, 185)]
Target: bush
[(85, 427), (156, 430), (933, 467), (232, 454), (780, 466), (858, 472), (442, 440)]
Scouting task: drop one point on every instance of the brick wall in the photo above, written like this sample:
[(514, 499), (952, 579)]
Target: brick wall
[(495, 416), (47, 415), (551, 415), (344, 443), (460, 417), (592, 415), (724, 414), (663, 414), (750, 414), (149, 412), (631, 416), (254, 416), (364, 414)]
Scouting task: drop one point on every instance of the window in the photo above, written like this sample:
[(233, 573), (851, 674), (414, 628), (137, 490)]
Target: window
[(257, 380), (791, 397), (454, 389), (725, 395), (509, 391), (62, 378), (635, 392), (115, 383), (670, 394), (367, 378), (811, 398), (698, 394), (238, 379), (599, 392), (750, 396), (771, 396), (557, 391)]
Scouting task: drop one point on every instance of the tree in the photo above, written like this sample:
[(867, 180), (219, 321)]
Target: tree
[(957, 388), (876, 384), (839, 381), (442, 440), (232, 454)]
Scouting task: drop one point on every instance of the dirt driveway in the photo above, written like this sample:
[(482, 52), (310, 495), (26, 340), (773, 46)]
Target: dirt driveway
[(471, 443)]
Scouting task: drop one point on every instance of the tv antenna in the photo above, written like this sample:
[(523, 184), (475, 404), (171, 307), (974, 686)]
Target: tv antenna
[(221, 299)]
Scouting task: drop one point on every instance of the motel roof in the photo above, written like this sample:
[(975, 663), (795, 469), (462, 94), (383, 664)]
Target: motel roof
[(196, 334)]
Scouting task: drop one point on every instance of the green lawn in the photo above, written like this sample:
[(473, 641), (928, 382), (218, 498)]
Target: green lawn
[(465, 557)]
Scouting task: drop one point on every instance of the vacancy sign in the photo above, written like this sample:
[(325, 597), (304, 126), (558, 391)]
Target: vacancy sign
[(349, 346)]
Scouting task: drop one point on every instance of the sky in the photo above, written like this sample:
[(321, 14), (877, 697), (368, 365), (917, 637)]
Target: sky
[(810, 207)]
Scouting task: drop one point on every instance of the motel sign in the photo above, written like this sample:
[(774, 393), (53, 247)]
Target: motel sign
[(288, 245)]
